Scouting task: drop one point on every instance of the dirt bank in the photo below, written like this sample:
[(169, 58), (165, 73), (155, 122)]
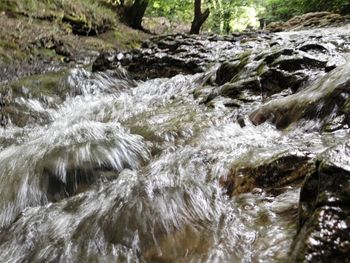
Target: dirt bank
[(43, 39)]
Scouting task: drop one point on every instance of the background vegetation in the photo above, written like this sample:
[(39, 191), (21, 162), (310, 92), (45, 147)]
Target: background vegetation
[(225, 15), (283, 10), (234, 15)]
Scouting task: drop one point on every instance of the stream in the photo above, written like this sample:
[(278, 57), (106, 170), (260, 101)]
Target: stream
[(113, 166)]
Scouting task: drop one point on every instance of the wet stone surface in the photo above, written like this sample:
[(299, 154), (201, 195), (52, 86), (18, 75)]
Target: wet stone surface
[(324, 211), (275, 172), (289, 65), (321, 103), (167, 56)]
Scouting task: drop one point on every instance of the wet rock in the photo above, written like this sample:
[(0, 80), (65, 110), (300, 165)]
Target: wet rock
[(267, 73), (324, 211), (240, 56), (167, 56), (325, 237), (104, 62), (273, 55), (313, 47), (227, 71), (4, 120), (321, 102), (235, 90), (275, 80), (277, 171), (293, 63), (240, 121), (330, 67)]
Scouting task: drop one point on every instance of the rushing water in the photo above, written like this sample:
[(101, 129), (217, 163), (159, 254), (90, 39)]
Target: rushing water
[(125, 171)]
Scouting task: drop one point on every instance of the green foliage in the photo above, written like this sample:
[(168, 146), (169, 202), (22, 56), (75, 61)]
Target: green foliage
[(324, 5), (231, 15), (284, 10), (225, 15), (180, 10)]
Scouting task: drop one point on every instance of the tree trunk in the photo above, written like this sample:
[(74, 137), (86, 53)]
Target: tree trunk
[(199, 17), (135, 12)]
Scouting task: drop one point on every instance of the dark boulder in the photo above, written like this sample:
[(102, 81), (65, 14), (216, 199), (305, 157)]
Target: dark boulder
[(275, 80), (236, 89), (229, 70), (169, 55), (298, 62), (312, 47), (324, 211), (270, 57), (104, 61), (322, 102), (277, 171), (267, 73)]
